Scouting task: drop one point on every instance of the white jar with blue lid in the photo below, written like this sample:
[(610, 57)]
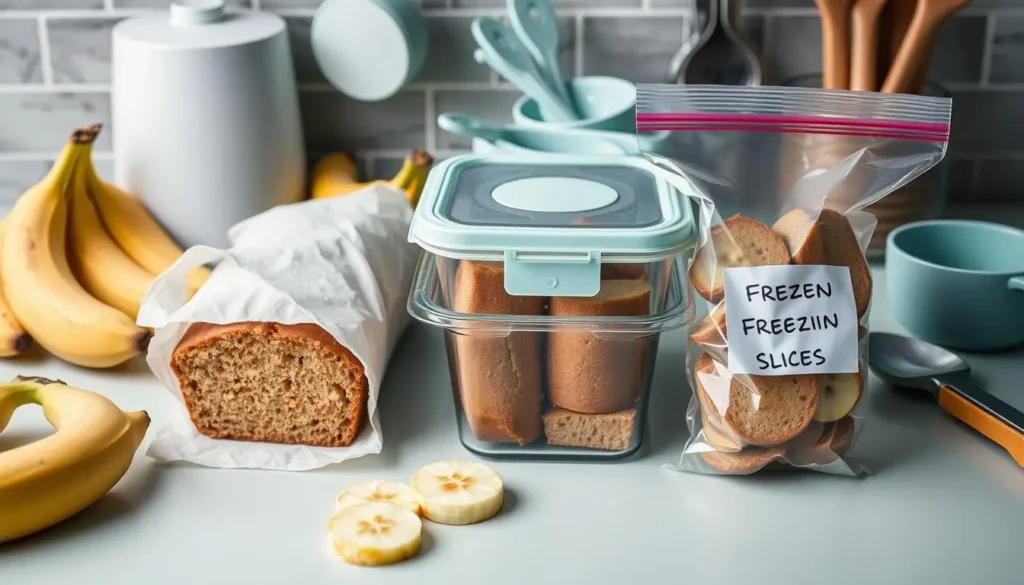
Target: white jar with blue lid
[(554, 277)]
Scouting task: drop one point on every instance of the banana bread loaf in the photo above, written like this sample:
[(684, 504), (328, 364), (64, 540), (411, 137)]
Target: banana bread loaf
[(260, 381)]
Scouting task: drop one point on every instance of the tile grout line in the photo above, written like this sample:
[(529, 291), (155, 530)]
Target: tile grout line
[(255, 5), (579, 63), (108, 5), (45, 62), (987, 49)]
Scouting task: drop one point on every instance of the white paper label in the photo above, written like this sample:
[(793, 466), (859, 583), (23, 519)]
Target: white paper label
[(791, 320)]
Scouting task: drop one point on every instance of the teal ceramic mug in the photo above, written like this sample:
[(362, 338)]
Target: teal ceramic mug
[(958, 283)]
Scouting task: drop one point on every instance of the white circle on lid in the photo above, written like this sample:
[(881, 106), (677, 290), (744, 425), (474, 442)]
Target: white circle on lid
[(554, 194), (360, 48)]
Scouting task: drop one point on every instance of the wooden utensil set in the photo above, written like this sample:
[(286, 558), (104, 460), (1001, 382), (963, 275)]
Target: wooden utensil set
[(880, 45)]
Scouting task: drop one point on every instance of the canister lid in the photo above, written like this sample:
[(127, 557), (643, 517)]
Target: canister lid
[(553, 219), (199, 24)]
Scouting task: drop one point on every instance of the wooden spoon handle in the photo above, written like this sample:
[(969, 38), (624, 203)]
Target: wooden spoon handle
[(982, 420), (835, 42), (864, 57)]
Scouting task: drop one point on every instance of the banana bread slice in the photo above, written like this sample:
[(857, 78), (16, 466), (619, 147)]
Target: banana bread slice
[(260, 381), (611, 432)]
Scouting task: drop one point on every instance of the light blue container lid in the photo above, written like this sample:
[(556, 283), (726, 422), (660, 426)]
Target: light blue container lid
[(553, 219)]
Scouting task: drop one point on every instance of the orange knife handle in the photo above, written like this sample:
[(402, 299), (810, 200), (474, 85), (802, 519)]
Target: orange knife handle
[(984, 422)]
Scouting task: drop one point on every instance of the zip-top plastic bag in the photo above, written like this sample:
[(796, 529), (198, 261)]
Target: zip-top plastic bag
[(778, 361)]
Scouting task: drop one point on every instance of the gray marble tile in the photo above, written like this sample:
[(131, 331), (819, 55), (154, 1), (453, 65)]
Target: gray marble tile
[(555, 3), (493, 105), (306, 69), (958, 53), (80, 49), (165, 3), (791, 47), (334, 122), (637, 49), (987, 120), (451, 52), (43, 121), (47, 4), (1008, 50), (19, 51), (1000, 180)]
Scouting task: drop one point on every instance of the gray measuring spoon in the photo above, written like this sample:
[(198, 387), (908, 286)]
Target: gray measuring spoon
[(721, 56), (911, 363)]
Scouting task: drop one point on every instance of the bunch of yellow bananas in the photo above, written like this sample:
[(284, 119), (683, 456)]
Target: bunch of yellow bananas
[(77, 255), (335, 175), (52, 479)]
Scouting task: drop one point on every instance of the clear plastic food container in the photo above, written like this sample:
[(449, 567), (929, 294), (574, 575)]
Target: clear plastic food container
[(553, 277)]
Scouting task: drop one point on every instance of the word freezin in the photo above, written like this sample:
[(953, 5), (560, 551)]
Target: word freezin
[(787, 325)]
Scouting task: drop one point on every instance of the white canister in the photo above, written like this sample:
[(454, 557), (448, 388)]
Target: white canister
[(206, 122)]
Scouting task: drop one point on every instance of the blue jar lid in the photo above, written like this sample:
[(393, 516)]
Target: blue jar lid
[(552, 219)]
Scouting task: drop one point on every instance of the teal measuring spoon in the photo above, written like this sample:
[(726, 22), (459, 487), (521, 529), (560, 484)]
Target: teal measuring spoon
[(537, 26), (506, 54), (569, 141)]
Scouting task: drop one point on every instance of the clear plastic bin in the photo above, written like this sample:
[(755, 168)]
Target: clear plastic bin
[(553, 294)]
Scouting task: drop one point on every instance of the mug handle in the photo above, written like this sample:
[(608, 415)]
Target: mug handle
[(1016, 283)]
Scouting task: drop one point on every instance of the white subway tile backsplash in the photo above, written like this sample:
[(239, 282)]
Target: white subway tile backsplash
[(164, 3), (19, 51), (51, 4), (80, 49), (555, 3), (959, 51), (285, 4), (786, 53), (41, 121), (634, 39), (1000, 179), (987, 120), (637, 49), (334, 122), (1008, 50), (451, 52), (306, 69), (17, 176)]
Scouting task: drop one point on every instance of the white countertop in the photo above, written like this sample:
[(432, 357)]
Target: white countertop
[(944, 506)]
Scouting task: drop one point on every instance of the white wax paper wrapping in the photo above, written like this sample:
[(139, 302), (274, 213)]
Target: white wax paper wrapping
[(342, 263)]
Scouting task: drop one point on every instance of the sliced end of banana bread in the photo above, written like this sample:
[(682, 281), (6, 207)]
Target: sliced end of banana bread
[(611, 432), (256, 381)]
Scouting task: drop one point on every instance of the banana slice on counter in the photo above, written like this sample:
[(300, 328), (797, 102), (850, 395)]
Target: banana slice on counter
[(381, 490), (459, 492), (375, 533)]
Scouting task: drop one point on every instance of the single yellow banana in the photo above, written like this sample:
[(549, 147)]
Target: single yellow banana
[(52, 479), (332, 173), (13, 339), (416, 166), (101, 267), (38, 283), (130, 224)]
